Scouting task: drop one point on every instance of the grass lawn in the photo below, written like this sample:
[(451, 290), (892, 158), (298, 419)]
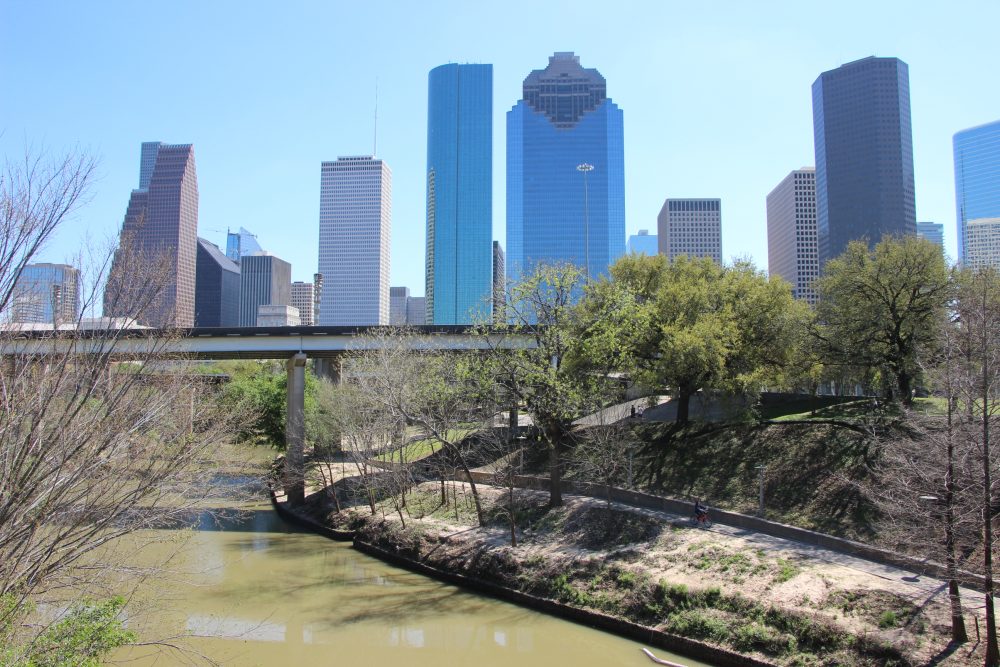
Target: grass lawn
[(419, 449)]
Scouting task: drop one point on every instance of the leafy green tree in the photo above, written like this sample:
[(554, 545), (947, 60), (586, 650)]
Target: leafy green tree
[(545, 376), (260, 389), (88, 632), (882, 308), (691, 324)]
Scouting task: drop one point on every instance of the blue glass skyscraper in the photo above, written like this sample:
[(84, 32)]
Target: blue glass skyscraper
[(556, 211), (977, 181), (459, 194), (864, 154)]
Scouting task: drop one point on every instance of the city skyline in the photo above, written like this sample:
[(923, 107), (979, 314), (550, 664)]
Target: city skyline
[(696, 124)]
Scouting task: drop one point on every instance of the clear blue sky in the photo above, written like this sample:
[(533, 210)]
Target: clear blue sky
[(716, 97)]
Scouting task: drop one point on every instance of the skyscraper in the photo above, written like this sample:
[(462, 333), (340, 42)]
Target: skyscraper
[(355, 219), (304, 299), (982, 243), (691, 227), (864, 154), (217, 288), (499, 282), (265, 280), (241, 243), (399, 298), (792, 245), (977, 183), (565, 171), (459, 193), (932, 231), (46, 294), (643, 243), (154, 267)]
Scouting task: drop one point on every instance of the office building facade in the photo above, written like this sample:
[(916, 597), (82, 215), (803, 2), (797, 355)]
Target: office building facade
[(217, 288), (977, 183), (982, 243), (304, 299), (565, 171), (643, 243), (792, 242), (932, 231), (864, 154), (355, 222), (459, 193), (399, 298), (691, 227), (46, 294), (265, 280), (152, 277), (499, 282)]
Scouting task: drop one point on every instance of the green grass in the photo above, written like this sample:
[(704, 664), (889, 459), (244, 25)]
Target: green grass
[(419, 449), (802, 408)]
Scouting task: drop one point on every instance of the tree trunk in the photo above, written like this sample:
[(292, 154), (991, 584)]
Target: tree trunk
[(958, 632), (683, 405), (905, 383), (555, 468), (992, 654)]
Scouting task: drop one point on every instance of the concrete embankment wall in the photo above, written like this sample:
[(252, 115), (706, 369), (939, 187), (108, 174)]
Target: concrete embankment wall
[(751, 523)]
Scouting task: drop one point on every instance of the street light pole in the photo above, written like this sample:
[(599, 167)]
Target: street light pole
[(586, 168)]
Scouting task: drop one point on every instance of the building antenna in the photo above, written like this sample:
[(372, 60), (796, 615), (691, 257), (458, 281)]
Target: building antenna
[(375, 130)]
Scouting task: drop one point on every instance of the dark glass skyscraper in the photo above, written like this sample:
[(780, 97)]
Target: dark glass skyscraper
[(977, 192), (459, 193), (153, 273), (565, 171), (217, 288), (864, 154)]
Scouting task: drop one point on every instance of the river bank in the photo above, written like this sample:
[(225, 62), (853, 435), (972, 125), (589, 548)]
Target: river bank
[(740, 600)]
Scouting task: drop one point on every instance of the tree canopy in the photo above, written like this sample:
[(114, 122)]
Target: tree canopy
[(882, 307)]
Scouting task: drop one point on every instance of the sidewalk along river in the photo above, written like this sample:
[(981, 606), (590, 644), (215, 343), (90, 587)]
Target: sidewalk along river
[(245, 588)]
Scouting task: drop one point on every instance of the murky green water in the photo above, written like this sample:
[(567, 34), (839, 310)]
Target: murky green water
[(248, 589)]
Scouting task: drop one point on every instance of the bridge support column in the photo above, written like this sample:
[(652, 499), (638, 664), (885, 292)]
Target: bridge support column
[(295, 431), (331, 369)]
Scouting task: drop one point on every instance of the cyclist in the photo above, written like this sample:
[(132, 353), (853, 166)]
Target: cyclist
[(700, 512)]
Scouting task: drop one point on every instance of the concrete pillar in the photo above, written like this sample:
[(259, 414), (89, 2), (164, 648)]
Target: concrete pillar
[(295, 430), (331, 369)]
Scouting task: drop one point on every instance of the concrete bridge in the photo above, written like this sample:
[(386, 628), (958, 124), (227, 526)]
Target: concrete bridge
[(326, 345)]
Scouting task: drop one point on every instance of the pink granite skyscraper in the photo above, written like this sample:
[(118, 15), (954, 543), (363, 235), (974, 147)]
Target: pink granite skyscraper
[(152, 278)]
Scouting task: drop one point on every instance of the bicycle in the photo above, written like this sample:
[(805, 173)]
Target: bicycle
[(701, 521)]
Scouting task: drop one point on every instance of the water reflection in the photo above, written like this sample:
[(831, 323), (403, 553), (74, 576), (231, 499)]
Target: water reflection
[(256, 591)]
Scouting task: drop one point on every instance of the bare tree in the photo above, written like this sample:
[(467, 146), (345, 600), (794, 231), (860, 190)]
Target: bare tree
[(94, 444), (534, 359), (603, 453), (978, 308), (424, 388)]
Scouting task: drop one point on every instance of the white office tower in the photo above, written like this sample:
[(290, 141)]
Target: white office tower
[(691, 227), (303, 297), (792, 239), (355, 219), (982, 243)]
